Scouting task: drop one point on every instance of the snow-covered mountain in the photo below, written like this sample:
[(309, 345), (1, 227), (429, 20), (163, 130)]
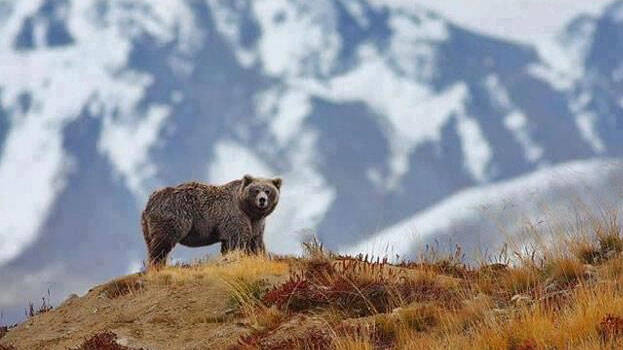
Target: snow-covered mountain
[(561, 200), (371, 112)]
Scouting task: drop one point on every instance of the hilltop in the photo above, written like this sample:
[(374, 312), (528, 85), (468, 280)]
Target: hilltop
[(566, 295)]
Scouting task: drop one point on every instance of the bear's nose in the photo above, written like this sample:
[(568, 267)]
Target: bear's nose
[(262, 201)]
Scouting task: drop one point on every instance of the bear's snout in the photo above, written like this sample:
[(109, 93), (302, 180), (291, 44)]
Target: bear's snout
[(262, 200)]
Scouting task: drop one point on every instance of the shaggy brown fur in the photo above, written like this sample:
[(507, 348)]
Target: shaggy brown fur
[(196, 214)]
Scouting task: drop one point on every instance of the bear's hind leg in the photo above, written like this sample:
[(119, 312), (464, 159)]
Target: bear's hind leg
[(164, 235), (158, 251)]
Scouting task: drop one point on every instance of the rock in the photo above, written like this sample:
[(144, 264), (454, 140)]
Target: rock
[(70, 299), (123, 341), (520, 300), (590, 272), (551, 286), (498, 312), (396, 310)]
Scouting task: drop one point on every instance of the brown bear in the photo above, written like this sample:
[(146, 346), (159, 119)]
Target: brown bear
[(196, 214)]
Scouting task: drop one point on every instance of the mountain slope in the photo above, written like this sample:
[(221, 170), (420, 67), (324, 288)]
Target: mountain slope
[(482, 219)]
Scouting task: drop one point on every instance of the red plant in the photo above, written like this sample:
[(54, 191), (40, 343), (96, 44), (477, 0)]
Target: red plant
[(358, 288), (103, 341), (308, 336), (288, 293), (528, 345), (610, 328)]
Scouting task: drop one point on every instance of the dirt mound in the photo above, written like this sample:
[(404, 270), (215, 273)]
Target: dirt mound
[(186, 307)]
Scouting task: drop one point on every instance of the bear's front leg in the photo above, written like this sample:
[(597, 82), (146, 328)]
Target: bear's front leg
[(235, 235), (256, 244)]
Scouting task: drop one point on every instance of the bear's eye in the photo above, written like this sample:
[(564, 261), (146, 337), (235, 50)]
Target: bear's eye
[(267, 191)]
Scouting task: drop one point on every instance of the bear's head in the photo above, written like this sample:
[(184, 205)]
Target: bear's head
[(259, 196)]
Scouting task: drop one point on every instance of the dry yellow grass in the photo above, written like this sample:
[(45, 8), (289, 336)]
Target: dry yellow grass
[(234, 267), (550, 300)]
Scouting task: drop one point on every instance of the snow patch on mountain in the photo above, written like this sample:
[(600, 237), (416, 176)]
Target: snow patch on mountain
[(515, 120), (392, 81), (518, 123), (467, 206), (411, 45), (285, 111), (127, 144), (531, 22), (32, 170), (415, 113), (231, 160), (305, 198), (19, 10), (616, 13), (297, 38), (476, 149), (586, 122), (498, 92), (525, 21), (61, 84)]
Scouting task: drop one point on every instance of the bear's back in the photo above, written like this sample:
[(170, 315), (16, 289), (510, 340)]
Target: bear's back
[(225, 191), (192, 193)]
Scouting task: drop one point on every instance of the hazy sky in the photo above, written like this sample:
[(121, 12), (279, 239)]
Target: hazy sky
[(527, 21)]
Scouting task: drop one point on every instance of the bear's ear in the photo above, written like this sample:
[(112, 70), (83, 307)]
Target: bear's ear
[(246, 180), (277, 182)]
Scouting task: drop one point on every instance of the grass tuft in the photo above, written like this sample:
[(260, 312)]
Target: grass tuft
[(127, 285)]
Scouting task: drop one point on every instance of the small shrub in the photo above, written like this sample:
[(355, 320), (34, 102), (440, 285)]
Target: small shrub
[(4, 330), (610, 244), (610, 328), (386, 329), (419, 317), (45, 306), (350, 343), (294, 294), (613, 269), (380, 332), (103, 341), (526, 345), (588, 253), (565, 271), (121, 287), (298, 333), (245, 293), (357, 288)]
